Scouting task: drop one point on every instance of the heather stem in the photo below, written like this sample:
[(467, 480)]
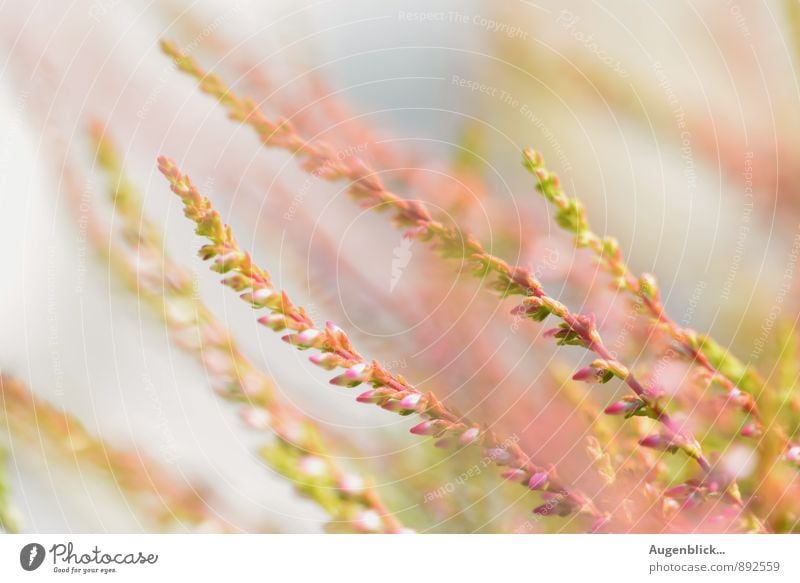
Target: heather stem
[(335, 351)]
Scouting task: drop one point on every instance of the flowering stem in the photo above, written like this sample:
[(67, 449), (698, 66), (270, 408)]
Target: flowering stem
[(298, 451), (742, 383), (334, 350), (571, 215)]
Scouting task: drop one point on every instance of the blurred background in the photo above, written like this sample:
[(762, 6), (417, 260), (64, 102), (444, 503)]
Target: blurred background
[(675, 123)]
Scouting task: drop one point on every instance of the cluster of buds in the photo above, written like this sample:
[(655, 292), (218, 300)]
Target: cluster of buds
[(694, 492), (400, 402), (661, 442), (740, 381)]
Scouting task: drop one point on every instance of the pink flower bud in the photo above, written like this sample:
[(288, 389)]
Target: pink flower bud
[(499, 456), (326, 360), (469, 436), (226, 262), (262, 297), (333, 328), (391, 405), (750, 430), (656, 442), (275, 322), (237, 281), (356, 371), (352, 377), (585, 374), (679, 491), (410, 401), (372, 396), (622, 407), (537, 481), (550, 332), (308, 338)]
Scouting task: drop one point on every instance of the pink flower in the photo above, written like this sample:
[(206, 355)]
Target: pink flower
[(657, 442), (585, 374), (308, 338), (352, 377), (372, 396), (276, 322), (537, 481), (469, 436), (326, 360), (750, 430), (410, 401)]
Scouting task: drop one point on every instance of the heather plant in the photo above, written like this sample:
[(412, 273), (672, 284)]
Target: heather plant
[(723, 369)]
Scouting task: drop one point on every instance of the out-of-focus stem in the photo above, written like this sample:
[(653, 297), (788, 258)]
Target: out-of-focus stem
[(8, 520), (35, 420)]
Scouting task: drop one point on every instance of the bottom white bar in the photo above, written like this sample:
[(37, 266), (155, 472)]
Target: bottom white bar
[(385, 559)]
